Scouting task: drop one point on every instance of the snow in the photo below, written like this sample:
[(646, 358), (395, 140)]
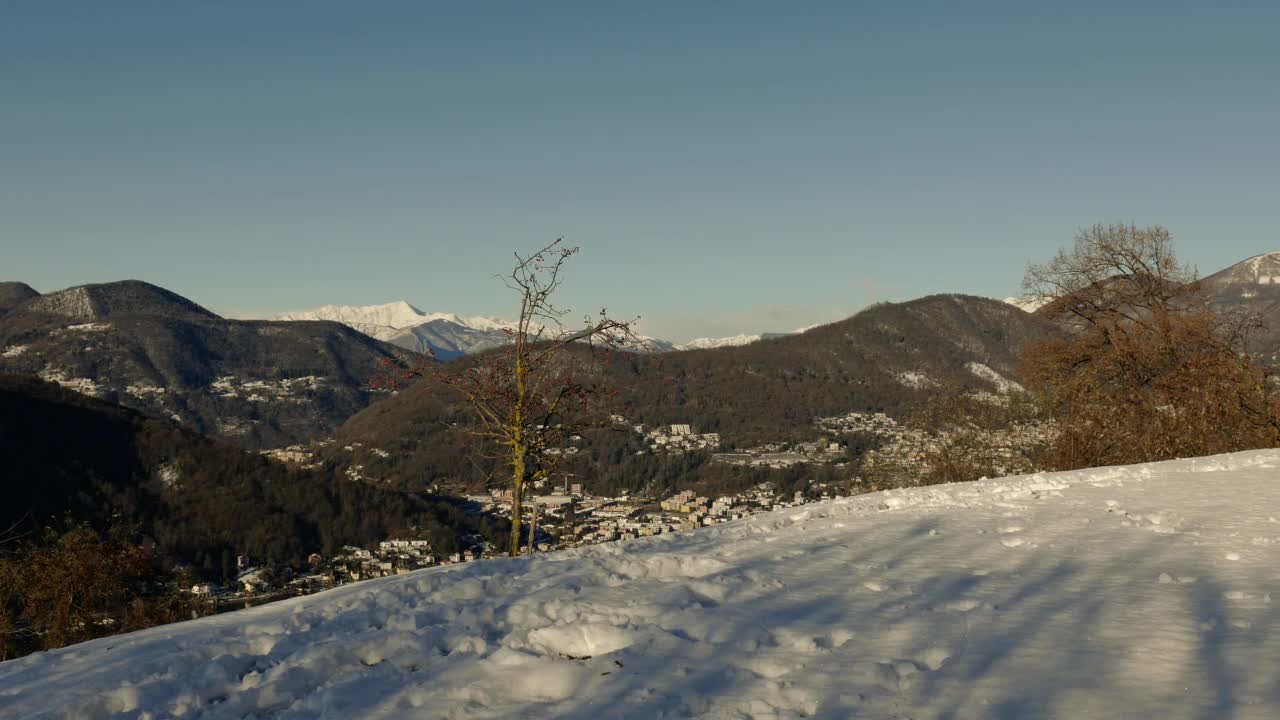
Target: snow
[(705, 343), (450, 335), (88, 327), (143, 390), (1027, 304), (390, 319), (1258, 270), (1141, 591), (1004, 385), (84, 386), (915, 379)]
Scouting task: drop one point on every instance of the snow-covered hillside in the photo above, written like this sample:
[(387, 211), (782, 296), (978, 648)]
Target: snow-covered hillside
[(1257, 270), (1142, 591)]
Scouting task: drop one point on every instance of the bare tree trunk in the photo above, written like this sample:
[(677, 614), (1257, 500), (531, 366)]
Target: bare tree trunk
[(533, 527), (517, 505)]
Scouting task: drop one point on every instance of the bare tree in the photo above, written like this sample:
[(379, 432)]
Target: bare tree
[(530, 396), (1144, 368)]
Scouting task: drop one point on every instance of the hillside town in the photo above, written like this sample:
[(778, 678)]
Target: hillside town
[(678, 438), (568, 516)]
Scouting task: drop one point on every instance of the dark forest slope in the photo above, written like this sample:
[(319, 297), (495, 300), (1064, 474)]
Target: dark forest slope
[(70, 457)]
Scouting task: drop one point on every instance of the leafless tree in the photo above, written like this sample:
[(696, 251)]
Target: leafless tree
[(530, 396)]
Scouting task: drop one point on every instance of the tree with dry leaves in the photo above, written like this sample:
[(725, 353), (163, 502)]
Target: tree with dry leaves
[(974, 434), (529, 397), (1143, 368), (62, 588)]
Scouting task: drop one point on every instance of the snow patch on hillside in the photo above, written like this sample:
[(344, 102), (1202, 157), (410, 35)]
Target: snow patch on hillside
[(1003, 384), (86, 327), (1142, 591), (84, 386), (915, 379), (258, 390)]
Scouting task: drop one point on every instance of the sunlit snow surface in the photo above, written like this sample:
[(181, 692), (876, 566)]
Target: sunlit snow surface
[(1142, 592)]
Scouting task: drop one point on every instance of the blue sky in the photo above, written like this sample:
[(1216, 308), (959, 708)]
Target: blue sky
[(726, 167)]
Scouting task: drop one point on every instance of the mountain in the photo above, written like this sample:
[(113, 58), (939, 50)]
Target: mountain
[(447, 339), (1124, 592), (69, 456), (449, 336), (446, 335), (1259, 271), (887, 358), (13, 294), (1252, 287), (258, 383), (105, 301)]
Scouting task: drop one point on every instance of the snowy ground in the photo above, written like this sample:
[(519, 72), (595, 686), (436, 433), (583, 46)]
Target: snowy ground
[(1125, 592)]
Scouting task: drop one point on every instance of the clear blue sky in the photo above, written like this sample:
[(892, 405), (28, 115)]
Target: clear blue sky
[(726, 167)]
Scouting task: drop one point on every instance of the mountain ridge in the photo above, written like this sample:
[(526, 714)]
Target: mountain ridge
[(254, 382), (449, 335), (100, 301), (13, 294), (887, 358)]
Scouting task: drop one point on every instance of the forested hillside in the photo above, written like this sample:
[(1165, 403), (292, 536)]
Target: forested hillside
[(71, 459), (888, 358)]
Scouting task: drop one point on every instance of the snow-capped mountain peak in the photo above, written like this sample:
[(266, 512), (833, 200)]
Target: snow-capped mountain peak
[(397, 315), (376, 320), (448, 335), (1258, 270), (704, 343), (445, 334), (1028, 304), (475, 322)]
